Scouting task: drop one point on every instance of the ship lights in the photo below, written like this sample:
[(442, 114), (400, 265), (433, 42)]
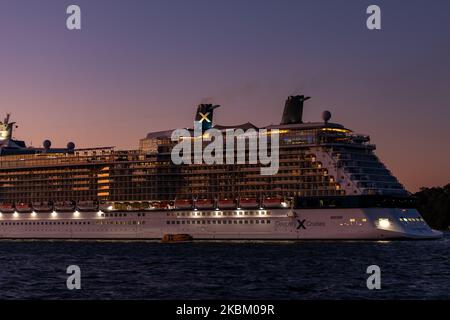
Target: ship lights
[(384, 223), (33, 214), (15, 214), (1, 214), (335, 130), (99, 213), (54, 214), (76, 214)]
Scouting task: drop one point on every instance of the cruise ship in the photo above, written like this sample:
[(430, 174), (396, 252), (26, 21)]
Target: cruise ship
[(329, 185)]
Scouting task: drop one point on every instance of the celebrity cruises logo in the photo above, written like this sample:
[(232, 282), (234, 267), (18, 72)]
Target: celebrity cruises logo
[(229, 146)]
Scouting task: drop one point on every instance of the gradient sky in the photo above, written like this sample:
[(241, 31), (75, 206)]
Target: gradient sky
[(140, 66)]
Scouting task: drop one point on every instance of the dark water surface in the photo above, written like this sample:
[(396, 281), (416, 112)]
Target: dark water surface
[(219, 270)]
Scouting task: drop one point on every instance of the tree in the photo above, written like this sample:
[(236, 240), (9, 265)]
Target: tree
[(434, 205)]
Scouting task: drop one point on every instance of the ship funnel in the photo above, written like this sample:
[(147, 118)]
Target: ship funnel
[(204, 115), (6, 129), (293, 109)]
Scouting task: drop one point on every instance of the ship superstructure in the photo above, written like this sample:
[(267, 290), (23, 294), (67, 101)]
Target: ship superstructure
[(329, 185)]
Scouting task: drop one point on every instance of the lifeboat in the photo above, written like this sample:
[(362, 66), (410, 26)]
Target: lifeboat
[(122, 206), (87, 205), (176, 238), (106, 206), (273, 203), (160, 205), (183, 204), (226, 204), (131, 206), (64, 206), (24, 207), (204, 204), (142, 205), (6, 207), (248, 203), (42, 206)]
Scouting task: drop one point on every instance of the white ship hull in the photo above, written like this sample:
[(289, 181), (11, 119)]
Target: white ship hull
[(274, 224)]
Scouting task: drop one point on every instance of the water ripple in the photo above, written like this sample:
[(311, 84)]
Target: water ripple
[(218, 270)]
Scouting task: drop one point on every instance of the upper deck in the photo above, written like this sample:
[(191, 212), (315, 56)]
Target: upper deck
[(315, 159), (58, 159)]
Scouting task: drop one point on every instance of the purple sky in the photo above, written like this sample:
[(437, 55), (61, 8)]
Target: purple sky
[(140, 66)]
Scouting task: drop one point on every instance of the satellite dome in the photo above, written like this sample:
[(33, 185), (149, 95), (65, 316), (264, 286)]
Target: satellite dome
[(47, 144), (71, 145), (326, 116)]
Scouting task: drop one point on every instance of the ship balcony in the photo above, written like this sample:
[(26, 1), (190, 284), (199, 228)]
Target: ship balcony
[(328, 136), (360, 164), (354, 156), (378, 191)]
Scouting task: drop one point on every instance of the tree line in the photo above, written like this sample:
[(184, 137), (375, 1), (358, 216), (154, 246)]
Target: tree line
[(434, 206)]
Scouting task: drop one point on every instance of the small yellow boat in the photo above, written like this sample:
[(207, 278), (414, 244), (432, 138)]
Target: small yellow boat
[(176, 238)]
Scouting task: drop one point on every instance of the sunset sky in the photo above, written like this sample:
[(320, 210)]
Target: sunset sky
[(141, 66)]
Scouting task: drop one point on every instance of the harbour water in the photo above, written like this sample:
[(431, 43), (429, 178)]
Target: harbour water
[(225, 270)]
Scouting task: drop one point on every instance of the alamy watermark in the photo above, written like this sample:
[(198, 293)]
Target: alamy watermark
[(373, 22), (191, 149), (74, 278), (374, 280), (73, 21)]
